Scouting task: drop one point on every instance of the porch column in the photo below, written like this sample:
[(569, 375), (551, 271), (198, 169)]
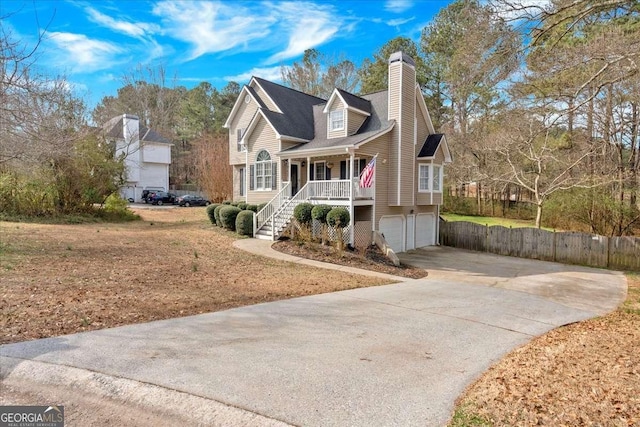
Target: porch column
[(289, 178), (308, 169), (352, 233)]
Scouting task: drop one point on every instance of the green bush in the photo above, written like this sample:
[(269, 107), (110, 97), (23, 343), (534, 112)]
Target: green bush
[(226, 202), (338, 218), (244, 223), (216, 215), (319, 213), (261, 206), (242, 205), (211, 212), (302, 213), (114, 203), (253, 208), (228, 215)]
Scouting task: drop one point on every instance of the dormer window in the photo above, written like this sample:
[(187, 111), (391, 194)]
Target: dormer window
[(336, 120)]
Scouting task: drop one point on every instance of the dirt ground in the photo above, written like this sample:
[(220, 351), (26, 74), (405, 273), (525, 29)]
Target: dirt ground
[(62, 279), (583, 374), (371, 259)]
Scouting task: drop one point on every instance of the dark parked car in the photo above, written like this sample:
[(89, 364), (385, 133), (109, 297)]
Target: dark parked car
[(161, 197), (146, 193), (189, 200)]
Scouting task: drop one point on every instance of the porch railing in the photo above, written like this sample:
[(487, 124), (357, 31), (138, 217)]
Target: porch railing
[(335, 189), (361, 193), (266, 213)]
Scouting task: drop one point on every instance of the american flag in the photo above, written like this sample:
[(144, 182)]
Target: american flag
[(366, 177)]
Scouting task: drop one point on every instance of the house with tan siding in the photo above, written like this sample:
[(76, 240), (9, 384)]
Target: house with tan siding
[(288, 147)]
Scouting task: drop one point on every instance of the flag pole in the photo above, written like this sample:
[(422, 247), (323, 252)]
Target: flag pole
[(373, 210)]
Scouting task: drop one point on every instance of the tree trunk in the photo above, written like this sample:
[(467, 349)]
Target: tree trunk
[(539, 215)]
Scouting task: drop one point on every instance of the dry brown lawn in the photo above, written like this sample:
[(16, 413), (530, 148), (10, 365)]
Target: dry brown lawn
[(62, 279), (583, 374)]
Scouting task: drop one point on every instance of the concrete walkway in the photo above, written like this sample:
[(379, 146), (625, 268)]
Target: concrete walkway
[(390, 355)]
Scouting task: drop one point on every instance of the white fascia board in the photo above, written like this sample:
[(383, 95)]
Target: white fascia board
[(424, 109), (252, 125), (291, 138), (364, 113), (239, 101), (254, 82), (331, 99), (445, 146), (333, 151)]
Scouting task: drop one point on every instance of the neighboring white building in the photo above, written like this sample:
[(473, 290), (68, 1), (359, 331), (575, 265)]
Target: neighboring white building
[(147, 155)]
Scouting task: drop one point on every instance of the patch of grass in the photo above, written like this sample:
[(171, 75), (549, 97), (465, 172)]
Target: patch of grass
[(490, 221), (464, 416)]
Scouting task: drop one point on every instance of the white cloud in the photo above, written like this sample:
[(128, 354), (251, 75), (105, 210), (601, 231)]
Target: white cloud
[(212, 26), (268, 73), (310, 25), (398, 6), (133, 29), (84, 54), (399, 21)]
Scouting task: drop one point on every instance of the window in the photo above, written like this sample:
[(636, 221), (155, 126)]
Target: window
[(320, 171), (263, 171), (423, 178), (239, 138), (243, 176), (437, 178), (336, 120)]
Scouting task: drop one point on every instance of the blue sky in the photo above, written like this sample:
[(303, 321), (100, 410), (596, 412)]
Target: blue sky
[(94, 43)]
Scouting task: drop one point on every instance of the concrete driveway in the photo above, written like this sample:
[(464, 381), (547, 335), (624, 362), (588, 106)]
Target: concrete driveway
[(389, 355)]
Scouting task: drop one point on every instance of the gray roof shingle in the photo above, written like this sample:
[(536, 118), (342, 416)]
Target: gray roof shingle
[(296, 107), (355, 101), (430, 145)]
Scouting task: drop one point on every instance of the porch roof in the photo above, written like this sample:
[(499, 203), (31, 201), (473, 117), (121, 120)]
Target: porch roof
[(326, 145)]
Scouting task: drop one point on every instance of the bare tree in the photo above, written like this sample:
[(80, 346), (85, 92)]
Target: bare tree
[(212, 166), (530, 153)]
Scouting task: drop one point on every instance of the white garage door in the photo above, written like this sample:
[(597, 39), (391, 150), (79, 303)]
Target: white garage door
[(392, 227), (425, 230)]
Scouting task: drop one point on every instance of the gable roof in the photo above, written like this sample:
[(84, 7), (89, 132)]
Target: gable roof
[(431, 145), (375, 125), (114, 128), (150, 135), (296, 106), (351, 102)]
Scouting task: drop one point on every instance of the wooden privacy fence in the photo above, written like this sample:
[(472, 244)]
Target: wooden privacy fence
[(621, 253)]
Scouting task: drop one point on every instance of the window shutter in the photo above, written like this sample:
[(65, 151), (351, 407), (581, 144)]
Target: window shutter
[(274, 175), (363, 164), (327, 173), (252, 177), (343, 170), (312, 171)]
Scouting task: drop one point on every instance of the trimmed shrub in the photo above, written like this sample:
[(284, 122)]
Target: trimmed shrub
[(210, 212), (319, 213), (242, 205), (338, 218), (216, 215), (261, 206), (253, 208), (234, 204), (302, 213), (244, 223), (226, 202), (228, 215)]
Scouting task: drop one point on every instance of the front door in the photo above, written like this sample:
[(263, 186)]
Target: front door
[(294, 179)]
